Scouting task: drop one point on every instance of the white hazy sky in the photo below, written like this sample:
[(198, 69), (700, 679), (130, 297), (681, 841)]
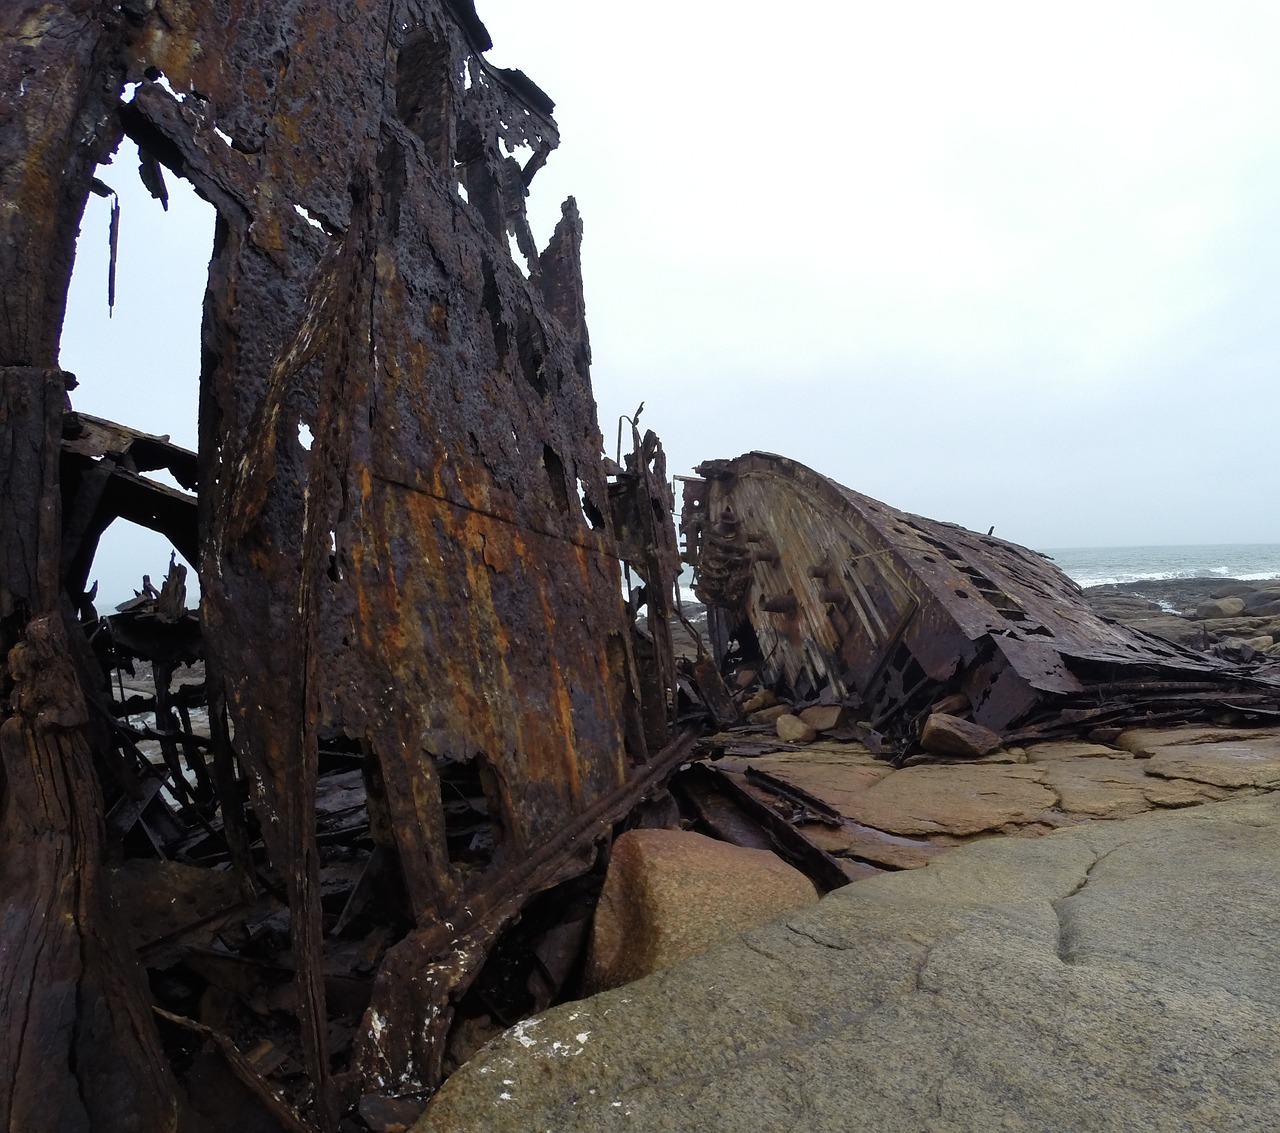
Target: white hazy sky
[(996, 262)]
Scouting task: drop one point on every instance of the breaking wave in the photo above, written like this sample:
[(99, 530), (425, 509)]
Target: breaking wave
[(1108, 566)]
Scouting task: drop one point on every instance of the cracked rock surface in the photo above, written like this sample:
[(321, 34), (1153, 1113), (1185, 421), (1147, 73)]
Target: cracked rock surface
[(1113, 976)]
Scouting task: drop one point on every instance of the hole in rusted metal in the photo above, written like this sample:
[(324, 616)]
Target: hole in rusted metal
[(555, 478), (472, 819), (306, 215), (424, 93), (589, 509), (531, 346)]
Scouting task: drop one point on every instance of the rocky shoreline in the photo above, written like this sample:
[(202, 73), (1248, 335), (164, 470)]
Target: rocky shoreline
[(1225, 617), (1018, 902)]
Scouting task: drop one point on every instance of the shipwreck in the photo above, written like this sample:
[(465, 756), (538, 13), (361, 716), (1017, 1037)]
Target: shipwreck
[(843, 599), (409, 552), (350, 815)]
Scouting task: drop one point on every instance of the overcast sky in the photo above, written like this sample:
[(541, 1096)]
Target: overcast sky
[(1002, 263)]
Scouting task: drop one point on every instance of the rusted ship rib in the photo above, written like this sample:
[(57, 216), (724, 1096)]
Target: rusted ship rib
[(835, 595)]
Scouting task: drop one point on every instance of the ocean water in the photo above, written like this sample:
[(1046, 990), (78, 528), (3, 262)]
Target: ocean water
[(1103, 566)]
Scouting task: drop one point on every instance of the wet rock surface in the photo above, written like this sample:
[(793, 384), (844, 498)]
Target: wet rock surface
[(1117, 976)]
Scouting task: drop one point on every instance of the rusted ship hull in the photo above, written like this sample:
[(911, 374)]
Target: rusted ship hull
[(833, 594)]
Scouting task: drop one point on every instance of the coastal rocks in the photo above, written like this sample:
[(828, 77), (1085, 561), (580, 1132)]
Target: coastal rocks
[(1232, 590), (1114, 976), (949, 735), (1173, 628), (856, 842), (1233, 758), (1263, 602), (1123, 606), (1181, 792), (1220, 608), (1098, 788), (1220, 765), (903, 818), (1227, 619), (835, 774), (1050, 750), (1096, 781), (671, 894), (1148, 742)]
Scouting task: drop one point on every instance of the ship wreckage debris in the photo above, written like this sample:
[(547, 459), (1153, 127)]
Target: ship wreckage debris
[(284, 860), (928, 635)]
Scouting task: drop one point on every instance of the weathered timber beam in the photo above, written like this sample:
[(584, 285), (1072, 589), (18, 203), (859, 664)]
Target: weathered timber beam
[(78, 1048), (411, 1010)]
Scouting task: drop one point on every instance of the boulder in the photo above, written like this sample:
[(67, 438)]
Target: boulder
[(1216, 608), (949, 735), (793, 730), (1175, 629), (1232, 590), (672, 894), (1115, 976), (1260, 598), (1260, 643), (824, 717), (768, 715), (761, 700)]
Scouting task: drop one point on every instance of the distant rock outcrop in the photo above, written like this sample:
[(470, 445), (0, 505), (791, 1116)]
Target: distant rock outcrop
[(1238, 621)]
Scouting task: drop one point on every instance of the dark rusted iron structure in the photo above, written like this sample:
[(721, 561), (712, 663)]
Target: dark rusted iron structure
[(407, 546), (835, 594)]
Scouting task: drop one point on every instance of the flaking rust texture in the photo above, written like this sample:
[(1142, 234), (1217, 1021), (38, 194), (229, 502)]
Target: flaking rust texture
[(404, 527), (836, 595)]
